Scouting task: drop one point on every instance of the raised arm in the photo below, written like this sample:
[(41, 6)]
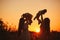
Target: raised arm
[(41, 17)]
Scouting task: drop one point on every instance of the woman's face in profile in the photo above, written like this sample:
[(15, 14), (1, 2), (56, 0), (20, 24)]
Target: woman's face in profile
[(29, 22)]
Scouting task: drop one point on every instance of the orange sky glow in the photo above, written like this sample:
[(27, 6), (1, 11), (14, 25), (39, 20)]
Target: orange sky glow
[(11, 11)]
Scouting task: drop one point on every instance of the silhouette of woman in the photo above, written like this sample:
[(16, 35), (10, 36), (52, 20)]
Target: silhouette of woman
[(45, 29), (21, 25), (46, 25), (25, 20)]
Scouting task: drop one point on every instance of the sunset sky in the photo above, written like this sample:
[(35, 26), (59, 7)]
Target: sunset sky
[(11, 11)]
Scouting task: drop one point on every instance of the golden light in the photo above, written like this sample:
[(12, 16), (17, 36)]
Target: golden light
[(38, 30), (34, 27)]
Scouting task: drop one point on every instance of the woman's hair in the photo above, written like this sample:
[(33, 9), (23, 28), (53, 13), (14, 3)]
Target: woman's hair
[(46, 24), (27, 16)]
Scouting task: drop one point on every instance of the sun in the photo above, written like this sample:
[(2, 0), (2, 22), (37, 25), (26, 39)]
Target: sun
[(38, 30)]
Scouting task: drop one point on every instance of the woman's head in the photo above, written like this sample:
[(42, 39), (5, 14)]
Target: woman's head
[(28, 17), (46, 20)]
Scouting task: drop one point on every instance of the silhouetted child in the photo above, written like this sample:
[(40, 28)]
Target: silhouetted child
[(40, 13)]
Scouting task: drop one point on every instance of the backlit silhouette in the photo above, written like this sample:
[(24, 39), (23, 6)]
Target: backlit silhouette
[(23, 33), (45, 24), (45, 29), (40, 13), (25, 20)]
